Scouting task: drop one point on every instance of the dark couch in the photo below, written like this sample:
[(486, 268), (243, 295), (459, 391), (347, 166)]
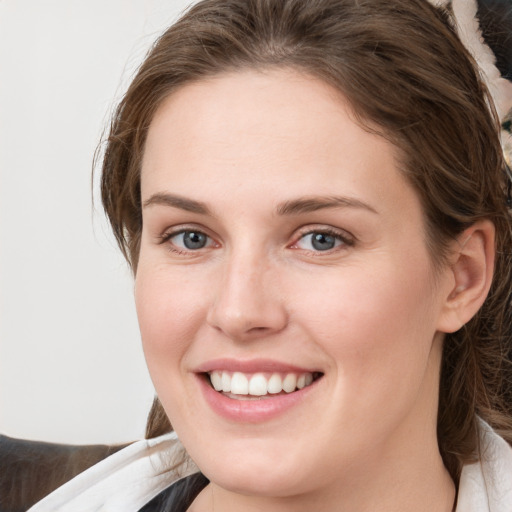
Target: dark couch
[(29, 470)]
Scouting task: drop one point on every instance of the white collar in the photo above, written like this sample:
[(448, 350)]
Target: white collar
[(486, 486), (123, 482), (127, 480)]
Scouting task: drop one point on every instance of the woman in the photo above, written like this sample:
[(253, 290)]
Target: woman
[(313, 199)]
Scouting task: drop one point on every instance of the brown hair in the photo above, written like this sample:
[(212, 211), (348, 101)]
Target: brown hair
[(407, 76)]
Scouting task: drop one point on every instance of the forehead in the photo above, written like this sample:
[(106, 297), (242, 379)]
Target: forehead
[(279, 128), (264, 108)]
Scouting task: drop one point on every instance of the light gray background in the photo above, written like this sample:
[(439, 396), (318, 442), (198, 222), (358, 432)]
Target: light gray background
[(71, 365)]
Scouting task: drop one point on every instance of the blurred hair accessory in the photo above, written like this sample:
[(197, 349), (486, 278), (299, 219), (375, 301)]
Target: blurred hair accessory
[(465, 17)]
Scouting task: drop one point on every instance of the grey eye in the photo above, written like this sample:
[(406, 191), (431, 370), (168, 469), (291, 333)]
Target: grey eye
[(320, 241), (191, 240)]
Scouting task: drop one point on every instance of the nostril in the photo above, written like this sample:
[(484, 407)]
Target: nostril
[(242, 310)]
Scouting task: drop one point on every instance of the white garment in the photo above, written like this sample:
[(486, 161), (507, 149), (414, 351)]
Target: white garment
[(127, 480), (123, 482), (486, 486)]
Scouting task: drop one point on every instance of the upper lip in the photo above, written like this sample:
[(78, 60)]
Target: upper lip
[(251, 366)]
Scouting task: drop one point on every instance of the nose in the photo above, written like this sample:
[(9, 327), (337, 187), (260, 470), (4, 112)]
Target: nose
[(248, 302)]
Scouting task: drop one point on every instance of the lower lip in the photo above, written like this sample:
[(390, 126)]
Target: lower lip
[(251, 411)]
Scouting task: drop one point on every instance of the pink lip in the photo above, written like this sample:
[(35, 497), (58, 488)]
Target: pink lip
[(250, 411), (250, 366)]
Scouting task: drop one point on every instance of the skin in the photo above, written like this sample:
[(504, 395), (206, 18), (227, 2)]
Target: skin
[(369, 314)]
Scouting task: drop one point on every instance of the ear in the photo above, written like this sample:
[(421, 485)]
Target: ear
[(470, 275)]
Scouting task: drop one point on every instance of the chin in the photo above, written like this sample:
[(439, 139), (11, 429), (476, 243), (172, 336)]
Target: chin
[(264, 481), (257, 467)]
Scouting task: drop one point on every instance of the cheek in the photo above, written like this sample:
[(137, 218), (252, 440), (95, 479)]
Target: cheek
[(377, 323), (169, 309), (362, 304)]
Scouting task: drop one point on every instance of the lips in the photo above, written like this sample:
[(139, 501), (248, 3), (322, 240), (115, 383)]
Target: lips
[(254, 391)]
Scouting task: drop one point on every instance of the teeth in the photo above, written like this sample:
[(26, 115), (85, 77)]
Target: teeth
[(226, 383), (239, 384), (258, 384), (290, 382), (275, 384), (216, 379)]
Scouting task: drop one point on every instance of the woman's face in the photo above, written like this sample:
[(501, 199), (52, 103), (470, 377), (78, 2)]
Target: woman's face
[(282, 248)]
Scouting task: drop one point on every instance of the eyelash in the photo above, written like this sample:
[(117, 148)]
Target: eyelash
[(345, 239), (167, 236)]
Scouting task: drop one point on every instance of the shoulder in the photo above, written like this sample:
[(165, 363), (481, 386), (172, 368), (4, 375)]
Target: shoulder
[(487, 484), (125, 481)]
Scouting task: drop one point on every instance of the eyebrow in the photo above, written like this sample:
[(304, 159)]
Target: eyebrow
[(291, 207), (313, 204), (183, 203)]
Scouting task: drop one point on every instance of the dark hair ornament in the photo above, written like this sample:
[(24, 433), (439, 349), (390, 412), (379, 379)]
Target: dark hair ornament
[(467, 18), (465, 15)]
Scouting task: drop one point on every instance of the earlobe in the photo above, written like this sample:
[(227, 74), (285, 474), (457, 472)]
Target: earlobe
[(471, 275)]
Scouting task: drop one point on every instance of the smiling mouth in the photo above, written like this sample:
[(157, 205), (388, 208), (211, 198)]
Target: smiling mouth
[(257, 386)]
